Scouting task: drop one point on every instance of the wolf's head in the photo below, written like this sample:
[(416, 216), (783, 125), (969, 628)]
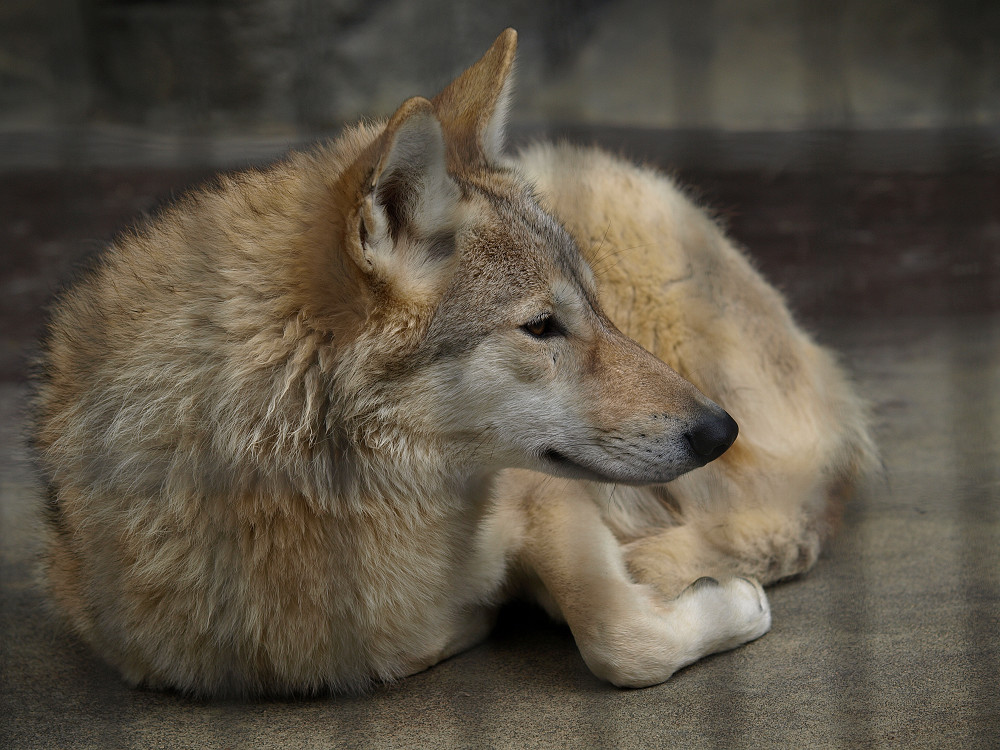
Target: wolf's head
[(480, 332)]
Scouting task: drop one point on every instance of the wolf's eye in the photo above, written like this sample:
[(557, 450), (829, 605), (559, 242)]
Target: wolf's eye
[(542, 327)]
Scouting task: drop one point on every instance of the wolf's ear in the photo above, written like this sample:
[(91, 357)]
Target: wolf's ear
[(473, 107), (407, 210)]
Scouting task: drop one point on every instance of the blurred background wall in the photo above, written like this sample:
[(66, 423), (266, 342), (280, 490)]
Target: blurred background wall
[(201, 81), (853, 146)]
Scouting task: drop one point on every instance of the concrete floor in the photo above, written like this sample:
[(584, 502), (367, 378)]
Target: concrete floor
[(892, 641)]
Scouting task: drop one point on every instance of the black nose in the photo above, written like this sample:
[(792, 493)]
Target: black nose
[(712, 435)]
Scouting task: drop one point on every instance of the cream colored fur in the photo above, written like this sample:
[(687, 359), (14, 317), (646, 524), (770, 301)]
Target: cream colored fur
[(309, 427), (674, 282)]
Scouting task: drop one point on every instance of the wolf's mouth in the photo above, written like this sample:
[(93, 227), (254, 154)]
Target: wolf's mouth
[(558, 458), (569, 466)]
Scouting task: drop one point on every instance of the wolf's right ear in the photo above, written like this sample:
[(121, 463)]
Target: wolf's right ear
[(406, 204)]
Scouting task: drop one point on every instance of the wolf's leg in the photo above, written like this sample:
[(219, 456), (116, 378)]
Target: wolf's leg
[(627, 633), (763, 543)]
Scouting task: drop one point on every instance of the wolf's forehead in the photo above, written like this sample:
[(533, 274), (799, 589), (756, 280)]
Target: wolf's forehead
[(520, 232), (515, 259)]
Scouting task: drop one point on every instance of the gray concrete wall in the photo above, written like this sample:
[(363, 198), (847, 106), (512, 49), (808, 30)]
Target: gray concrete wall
[(267, 67)]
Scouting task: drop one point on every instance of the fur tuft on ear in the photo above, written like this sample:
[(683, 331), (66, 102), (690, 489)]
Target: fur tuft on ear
[(473, 108), (408, 205)]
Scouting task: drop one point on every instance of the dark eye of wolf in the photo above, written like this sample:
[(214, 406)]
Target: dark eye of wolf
[(542, 327)]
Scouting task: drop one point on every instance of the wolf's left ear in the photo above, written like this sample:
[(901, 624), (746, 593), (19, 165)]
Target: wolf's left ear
[(473, 107), (407, 208)]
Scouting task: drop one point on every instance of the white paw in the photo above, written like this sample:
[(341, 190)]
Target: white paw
[(751, 607), (735, 608), (648, 643)]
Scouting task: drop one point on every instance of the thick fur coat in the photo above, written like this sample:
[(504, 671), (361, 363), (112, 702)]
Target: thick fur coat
[(311, 425)]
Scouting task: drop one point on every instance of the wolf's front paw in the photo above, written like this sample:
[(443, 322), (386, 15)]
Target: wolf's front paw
[(752, 610), (735, 608), (651, 640)]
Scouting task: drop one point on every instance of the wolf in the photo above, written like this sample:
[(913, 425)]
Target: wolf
[(310, 426)]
